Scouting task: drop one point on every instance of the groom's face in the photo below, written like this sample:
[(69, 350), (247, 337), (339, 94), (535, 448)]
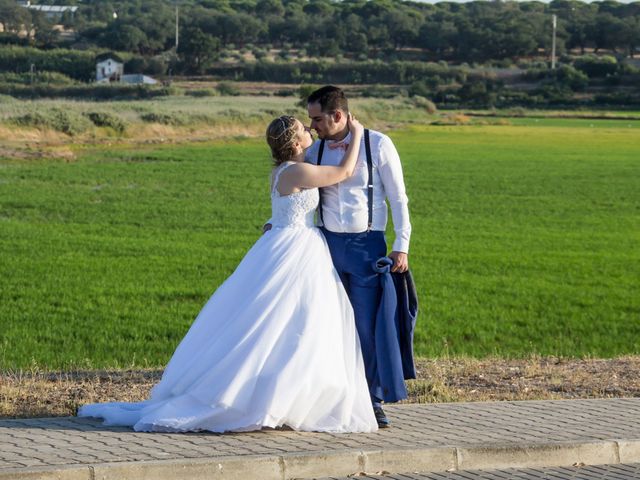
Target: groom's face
[(325, 124)]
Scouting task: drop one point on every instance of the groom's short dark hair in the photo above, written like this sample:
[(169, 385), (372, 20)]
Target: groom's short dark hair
[(330, 99)]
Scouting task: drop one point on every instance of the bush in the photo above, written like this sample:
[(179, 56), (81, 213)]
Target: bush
[(48, 78), (596, 66), (259, 53), (164, 118), (618, 99), (420, 89), (568, 76), (303, 93), (87, 91), (227, 89), (285, 92), (105, 119), (63, 121), (556, 95), (201, 92), (425, 103), (77, 64), (320, 71), (565, 76), (379, 91)]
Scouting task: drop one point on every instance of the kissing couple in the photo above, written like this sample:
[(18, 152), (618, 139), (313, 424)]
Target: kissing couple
[(312, 331)]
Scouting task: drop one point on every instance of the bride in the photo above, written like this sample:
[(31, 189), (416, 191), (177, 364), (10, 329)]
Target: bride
[(276, 343)]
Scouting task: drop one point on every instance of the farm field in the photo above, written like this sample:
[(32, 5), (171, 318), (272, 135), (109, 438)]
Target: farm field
[(525, 241)]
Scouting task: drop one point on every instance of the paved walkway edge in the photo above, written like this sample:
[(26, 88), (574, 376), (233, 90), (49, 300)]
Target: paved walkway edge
[(291, 466)]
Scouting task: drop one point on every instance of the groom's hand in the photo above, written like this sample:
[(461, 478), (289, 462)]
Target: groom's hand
[(400, 261)]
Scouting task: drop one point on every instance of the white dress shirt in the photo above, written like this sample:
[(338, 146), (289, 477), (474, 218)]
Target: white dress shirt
[(345, 205)]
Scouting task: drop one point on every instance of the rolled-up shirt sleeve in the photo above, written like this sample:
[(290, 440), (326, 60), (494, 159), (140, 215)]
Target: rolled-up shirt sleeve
[(390, 170)]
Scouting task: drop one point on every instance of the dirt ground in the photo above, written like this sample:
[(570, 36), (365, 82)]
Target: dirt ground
[(48, 394)]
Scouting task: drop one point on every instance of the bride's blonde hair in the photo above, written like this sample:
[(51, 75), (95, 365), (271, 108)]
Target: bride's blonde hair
[(281, 137)]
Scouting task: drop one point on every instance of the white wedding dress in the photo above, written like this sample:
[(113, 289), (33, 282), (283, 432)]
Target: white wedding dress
[(275, 345)]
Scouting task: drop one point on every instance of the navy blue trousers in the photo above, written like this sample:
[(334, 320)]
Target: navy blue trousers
[(353, 256)]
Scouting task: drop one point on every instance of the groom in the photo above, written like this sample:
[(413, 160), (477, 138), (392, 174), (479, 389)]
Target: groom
[(353, 218)]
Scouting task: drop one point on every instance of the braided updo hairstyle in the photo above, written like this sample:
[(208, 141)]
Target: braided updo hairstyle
[(281, 137)]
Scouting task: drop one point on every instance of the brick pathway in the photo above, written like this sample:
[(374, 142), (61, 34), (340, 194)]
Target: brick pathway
[(423, 438), (587, 472)]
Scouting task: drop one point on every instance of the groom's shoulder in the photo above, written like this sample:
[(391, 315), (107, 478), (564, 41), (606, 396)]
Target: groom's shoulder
[(378, 138), (311, 155)]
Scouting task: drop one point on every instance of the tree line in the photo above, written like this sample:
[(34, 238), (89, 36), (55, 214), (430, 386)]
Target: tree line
[(478, 31)]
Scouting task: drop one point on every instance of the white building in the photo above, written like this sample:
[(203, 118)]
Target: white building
[(51, 11), (109, 70)]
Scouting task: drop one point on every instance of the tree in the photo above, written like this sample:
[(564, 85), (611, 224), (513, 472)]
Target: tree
[(319, 7), (198, 50), (13, 17), (579, 21), (632, 34), (403, 27), (240, 28), (610, 32), (45, 36), (122, 36), (266, 8), (438, 37)]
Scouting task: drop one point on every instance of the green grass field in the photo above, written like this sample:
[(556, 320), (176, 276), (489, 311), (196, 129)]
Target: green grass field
[(526, 240)]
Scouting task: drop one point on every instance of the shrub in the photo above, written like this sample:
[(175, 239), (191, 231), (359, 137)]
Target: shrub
[(303, 93), (596, 66), (284, 92), (321, 71), (568, 76), (86, 91), (379, 91), (425, 103), (565, 76), (164, 118), (227, 89), (201, 92), (259, 53), (105, 119), (26, 78), (77, 64), (619, 99), (420, 89), (63, 121)]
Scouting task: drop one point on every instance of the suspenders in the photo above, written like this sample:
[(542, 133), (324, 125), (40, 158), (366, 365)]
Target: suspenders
[(367, 145)]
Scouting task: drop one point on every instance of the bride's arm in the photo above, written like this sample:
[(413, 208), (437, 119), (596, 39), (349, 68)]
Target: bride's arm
[(305, 175)]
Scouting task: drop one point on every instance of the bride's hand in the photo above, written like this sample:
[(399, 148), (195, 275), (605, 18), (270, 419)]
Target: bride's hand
[(355, 127)]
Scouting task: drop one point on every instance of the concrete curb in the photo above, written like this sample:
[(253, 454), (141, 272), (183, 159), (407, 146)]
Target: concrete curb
[(347, 462)]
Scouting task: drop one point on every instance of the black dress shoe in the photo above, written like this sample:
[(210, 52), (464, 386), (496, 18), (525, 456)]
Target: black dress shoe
[(381, 417)]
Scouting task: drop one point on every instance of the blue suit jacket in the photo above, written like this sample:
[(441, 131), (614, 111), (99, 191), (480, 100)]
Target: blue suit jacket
[(395, 323)]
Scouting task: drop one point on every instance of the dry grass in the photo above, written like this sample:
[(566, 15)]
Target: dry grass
[(453, 119), (50, 394), (537, 378), (44, 394), (43, 143)]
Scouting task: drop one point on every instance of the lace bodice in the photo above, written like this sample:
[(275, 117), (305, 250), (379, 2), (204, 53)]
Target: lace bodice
[(294, 210)]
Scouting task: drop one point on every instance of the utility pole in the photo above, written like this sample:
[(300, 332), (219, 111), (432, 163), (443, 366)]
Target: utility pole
[(176, 27), (553, 42)]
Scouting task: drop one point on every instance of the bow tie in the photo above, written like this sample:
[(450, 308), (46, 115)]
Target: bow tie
[(343, 145)]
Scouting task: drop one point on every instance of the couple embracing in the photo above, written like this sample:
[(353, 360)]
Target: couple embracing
[(298, 336)]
